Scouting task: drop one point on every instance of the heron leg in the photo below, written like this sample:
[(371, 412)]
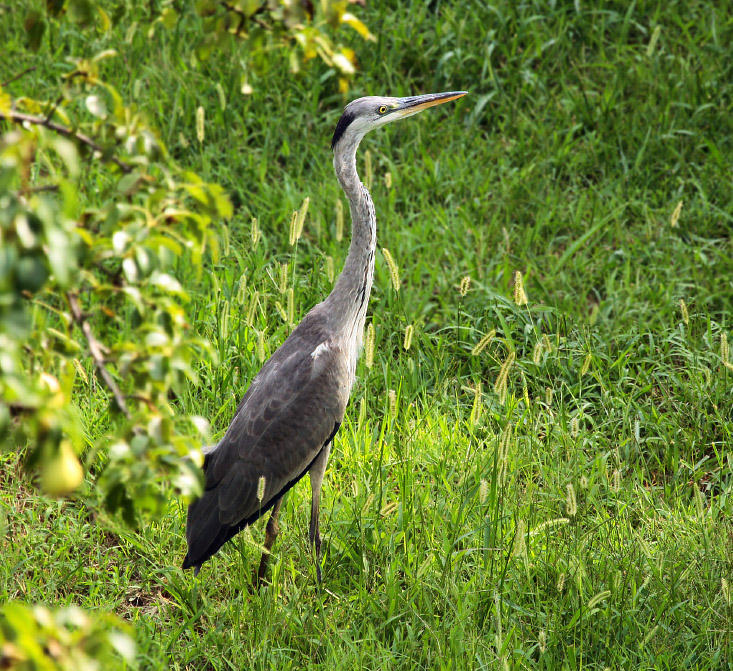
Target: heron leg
[(317, 471), (271, 532)]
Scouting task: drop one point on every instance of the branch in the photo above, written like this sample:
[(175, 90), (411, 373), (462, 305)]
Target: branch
[(95, 349), (62, 130), (18, 76)]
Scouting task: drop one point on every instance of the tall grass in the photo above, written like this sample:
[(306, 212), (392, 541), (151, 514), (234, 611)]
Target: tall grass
[(529, 484)]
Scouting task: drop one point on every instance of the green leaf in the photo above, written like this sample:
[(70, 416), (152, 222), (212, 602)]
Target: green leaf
[(123, 644), (167, 283), (61, 255), (63, 343), (169, 18), (66, 149), (96, 106), (129, 267), (130, 183), (31, 273), (358, 26), (80, 12)]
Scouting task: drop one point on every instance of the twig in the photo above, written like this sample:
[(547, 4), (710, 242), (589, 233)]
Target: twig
[(16, 117), (18, 76), (95, 349), (53, 108)]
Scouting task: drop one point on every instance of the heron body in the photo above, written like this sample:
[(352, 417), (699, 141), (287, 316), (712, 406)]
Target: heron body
[(284, 425)]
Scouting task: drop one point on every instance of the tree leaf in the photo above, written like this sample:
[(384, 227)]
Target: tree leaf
[(358, 26), (96, 106), (167, 283)]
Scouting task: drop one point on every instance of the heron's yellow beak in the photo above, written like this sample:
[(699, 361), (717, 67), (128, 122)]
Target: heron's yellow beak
[(414, 104)]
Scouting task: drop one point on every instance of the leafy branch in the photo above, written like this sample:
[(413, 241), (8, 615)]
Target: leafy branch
[(17, 117), (96, 349)]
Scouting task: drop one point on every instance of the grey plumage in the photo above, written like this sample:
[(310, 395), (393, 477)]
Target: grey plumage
[(284, 425)]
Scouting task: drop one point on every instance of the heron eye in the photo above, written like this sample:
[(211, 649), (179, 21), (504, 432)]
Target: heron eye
[(382, 109)]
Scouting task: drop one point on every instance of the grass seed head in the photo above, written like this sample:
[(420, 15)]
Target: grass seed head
[(339, 220), (650, 635), (388, 180), (676, 214), (571, 505), (242, 289), (520, 542), (292, 237), (329, 268), (261, 488), (724, 353), (255, 232), (394, 274), (653, 40), (477, 408), (575, 427), (700, 502), (520, 295), (224, 322), (409, 331), (598, 598), (200, 121), (483, 491), (261, 346), (282, 283), (368, 172), (252, 308), (392, 396), (371, 336), (300, 222), (222, 96), (586, 364), (683, 312), (483, 343), (558, 521), (500, 386), (465, 285)]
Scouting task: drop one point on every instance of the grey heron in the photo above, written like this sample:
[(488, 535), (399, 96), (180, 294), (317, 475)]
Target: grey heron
[(284, 425)]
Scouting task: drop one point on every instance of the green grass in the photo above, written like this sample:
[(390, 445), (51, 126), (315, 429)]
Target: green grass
[(584, 522)]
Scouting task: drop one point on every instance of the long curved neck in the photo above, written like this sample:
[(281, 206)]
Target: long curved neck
[(349, 299)]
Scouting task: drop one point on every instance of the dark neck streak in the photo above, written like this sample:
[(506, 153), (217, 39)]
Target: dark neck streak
[(350, 296)]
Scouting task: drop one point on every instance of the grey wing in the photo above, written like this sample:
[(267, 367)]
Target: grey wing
[(289, 413)]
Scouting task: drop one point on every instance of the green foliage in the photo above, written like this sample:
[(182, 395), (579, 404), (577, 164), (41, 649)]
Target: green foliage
[(557, 496), (37, 639), (70, 265), (245, 29)]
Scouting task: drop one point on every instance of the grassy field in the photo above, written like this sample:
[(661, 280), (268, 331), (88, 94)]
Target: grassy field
[(558, 496)]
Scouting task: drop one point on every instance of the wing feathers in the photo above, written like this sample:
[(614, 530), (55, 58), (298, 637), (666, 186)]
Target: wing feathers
[(286, 417)]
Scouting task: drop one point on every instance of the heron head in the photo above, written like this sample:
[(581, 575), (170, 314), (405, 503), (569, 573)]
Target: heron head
[(364, 114)]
